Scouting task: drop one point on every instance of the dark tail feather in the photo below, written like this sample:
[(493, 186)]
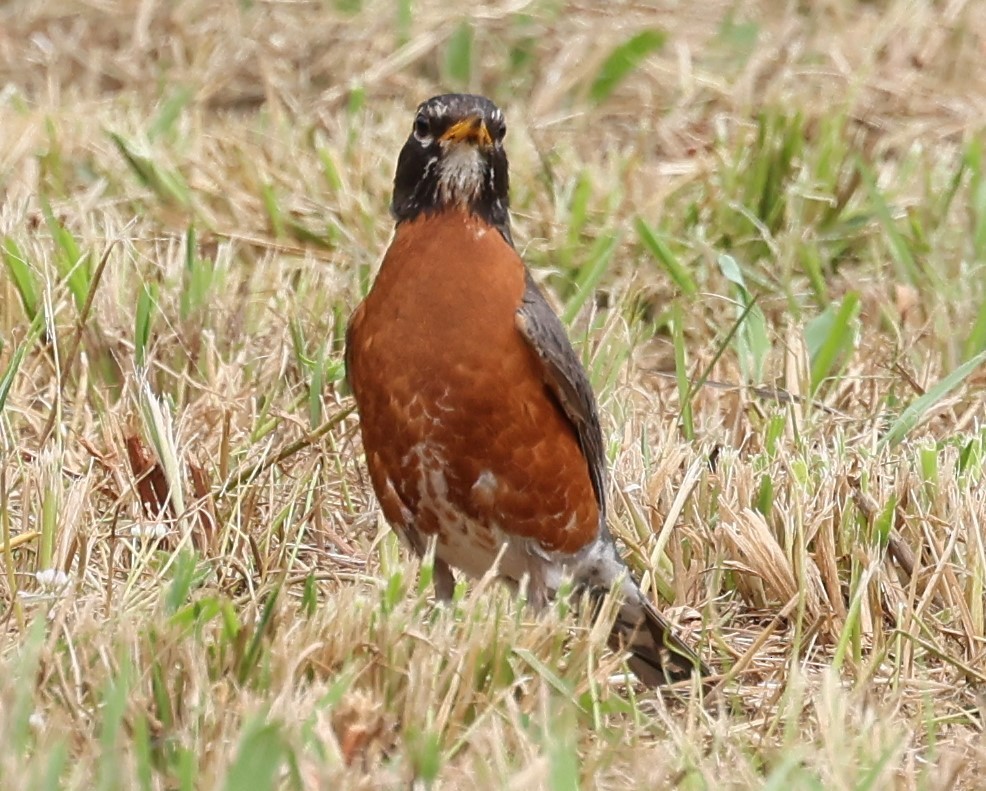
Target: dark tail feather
[(657, 655)]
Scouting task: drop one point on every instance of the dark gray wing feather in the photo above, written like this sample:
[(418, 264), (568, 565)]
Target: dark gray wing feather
[(567, 381)]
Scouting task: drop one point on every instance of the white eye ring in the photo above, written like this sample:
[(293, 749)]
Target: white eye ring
[(422, 129)]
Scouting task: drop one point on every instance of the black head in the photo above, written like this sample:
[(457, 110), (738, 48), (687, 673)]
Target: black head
[(454, 157)]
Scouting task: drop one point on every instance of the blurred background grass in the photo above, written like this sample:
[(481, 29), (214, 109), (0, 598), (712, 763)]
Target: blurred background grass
[(764, 223)]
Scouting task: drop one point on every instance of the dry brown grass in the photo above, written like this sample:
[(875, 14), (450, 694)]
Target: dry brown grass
[(256, 618)]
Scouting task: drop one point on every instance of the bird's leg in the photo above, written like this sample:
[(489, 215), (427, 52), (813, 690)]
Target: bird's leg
[(441, 573), (538, 595), (443, 580)]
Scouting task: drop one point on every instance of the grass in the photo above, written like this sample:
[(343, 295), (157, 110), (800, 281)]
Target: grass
[(766, 229)]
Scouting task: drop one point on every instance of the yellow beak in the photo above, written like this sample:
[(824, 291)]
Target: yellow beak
[(472, 129)]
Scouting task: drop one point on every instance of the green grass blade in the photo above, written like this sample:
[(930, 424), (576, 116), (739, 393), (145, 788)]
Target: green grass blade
[(658, 248), (623, 60), (316, 386), (976, 341), (73, 265), (186, 575), (260, 755), (681, 370), (7, 379), (578, 210), (199, 278), (753, 339), (274, 214), (563, 755), (168, 185), (143, 320), (50, 510), (831, 337), (589, 276), (57, 759), (143, 754), (330, 170), (458, 56), (112, 727), (25, 668), (404, 19), (22, 275), (973, 161), (251, 656), (912, 415), (171, 108), (900, 251)]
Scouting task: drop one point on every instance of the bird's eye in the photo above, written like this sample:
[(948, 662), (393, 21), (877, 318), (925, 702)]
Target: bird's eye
[(422, 127), (500, 132)]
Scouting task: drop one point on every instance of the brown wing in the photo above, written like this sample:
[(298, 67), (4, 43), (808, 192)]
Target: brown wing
[(566, 380)]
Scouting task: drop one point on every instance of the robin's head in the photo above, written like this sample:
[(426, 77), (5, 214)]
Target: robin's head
[(454, 157)]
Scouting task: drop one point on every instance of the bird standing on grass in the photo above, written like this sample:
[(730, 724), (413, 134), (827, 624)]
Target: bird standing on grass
[(478, 421)]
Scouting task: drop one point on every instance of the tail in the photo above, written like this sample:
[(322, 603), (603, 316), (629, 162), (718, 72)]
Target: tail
[(657, 655)]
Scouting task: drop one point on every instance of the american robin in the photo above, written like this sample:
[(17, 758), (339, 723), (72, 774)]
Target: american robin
[(479, 424)]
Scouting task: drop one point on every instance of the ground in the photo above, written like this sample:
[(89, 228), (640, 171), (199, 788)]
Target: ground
[(764, 224)]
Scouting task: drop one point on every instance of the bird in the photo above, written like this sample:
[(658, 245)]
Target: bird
[(479, 425)]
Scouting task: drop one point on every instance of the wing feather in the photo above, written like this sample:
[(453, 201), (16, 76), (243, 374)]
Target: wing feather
[(566, 380)]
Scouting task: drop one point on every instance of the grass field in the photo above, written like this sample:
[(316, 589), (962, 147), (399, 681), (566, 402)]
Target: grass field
[(765, 226)]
